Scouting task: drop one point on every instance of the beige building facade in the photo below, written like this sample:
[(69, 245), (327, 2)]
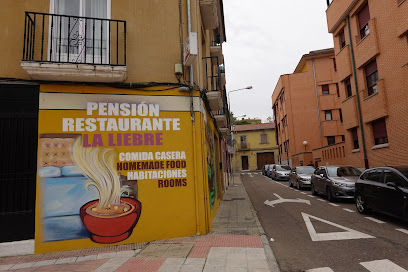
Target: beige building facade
[(255, 146)]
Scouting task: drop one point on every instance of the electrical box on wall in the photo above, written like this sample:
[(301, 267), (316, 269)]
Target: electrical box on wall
[(178, 69), (190, 49)]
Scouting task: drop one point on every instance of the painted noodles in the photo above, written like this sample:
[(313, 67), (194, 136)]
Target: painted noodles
[(98, 165)]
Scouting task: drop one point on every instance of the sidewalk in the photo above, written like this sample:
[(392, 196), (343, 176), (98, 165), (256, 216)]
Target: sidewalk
[(236, 243)]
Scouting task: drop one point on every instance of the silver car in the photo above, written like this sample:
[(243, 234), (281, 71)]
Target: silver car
[(335, 181), (280, 172), (300, 176)]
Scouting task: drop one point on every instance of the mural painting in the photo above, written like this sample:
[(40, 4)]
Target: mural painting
[(102, 166)]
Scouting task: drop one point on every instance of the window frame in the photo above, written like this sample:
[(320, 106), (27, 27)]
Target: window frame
[(264, 138), (328, 113), (381, 137), (364, 29), (349, 90), (371, 78), (324, 90), (354, 132), (331, 137)]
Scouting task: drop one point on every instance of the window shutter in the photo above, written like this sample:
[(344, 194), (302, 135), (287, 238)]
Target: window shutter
[(371, 68), (379, 129), (363, 16)]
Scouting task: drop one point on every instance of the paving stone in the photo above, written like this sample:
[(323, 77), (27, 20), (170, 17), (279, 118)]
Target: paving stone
[(66, 260), (128, 253), (192, 268), (44, 263), (178, 251), (86, 258), (154, 250), (258, 264), (5, 267), (216, 262), (170, 268), (236, 256), (106, 255), (112, 264), (256, 256), (250, 250), (259, 270), (21, 266), (215, 269), (194, 261), (237, 269), (237, 263), (174, 261)]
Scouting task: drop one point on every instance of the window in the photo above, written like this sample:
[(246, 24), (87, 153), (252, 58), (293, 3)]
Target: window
[(264, 138), (325, 89), (69, 35), (342, 39), (280, 149), (341, 116), (343, 138), (285, 145), (279, 128), (243, 138), (380, 132), (363, 18), (347, 83), (371, 77), (284, 122), (334, 64), (338, 89), (391, 176), (374, 175), (331, 140), (282, 97), (355, 138), (328, 115)]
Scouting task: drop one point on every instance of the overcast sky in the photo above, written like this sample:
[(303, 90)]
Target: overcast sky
[(265, 39)]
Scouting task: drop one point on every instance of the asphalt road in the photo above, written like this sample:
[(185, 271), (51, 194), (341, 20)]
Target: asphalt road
[(324, 236)]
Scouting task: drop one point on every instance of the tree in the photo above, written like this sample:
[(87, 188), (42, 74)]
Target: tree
[(269, 119)]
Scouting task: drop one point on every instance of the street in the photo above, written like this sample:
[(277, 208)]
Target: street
[(308, 233)]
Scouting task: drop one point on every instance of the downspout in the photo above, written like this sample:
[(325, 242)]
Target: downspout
[(360, 120), (317, 102), (193, 127)]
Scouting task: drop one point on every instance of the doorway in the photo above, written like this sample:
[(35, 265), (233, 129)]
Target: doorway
[(244, 161)]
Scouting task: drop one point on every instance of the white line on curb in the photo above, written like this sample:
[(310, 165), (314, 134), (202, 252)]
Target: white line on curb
[(348, 210), (333, 204), (403, 230)]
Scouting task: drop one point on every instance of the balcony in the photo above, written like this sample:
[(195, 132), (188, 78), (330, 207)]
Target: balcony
[(72, 48), (349, 111), (243, 146), (374, 106), (343, 63), (333, 127), (224, 131), (367, 47), (336, 12), (223, 80), (220, 120), (216, 51), (215, 100), (210, 13), (212, 73)]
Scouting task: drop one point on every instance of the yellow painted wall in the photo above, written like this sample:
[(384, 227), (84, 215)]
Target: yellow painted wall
[(167, 212), (255, 146)]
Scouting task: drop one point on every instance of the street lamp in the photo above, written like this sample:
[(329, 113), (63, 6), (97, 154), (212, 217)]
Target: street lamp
[(246, 88)]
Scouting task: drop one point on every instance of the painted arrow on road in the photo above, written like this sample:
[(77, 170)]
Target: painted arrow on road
[(283, 200)]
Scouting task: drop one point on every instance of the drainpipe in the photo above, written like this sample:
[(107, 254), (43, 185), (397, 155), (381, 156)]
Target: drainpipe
[(360, 120), (189, 31), (317, 102)]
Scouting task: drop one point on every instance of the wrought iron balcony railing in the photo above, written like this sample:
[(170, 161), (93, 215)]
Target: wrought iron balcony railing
[(212, 74), (73, 39)]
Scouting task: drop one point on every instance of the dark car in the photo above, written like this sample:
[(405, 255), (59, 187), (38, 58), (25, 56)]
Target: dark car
[(280, 172), (335, 181), (384, 189), (300, 176), (269, 170)]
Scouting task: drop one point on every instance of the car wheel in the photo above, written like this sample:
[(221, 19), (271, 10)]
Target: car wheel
[(298, 185), (329, 195), (360, 204), (312, 188)]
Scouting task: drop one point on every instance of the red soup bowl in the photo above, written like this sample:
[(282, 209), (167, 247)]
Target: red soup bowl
[(112, 228)]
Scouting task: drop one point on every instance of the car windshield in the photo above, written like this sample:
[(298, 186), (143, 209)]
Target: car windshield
[(343, 171), (305, 170), (282, 167)]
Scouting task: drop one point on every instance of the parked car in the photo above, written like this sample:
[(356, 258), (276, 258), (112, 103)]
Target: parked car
[(264, 169), (300, 176), (384, 189), (335, 181), (269, 170), (280, 172)]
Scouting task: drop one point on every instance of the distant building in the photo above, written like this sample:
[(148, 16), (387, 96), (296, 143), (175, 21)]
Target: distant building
[(255, 146), (371, 48), (307, 112)]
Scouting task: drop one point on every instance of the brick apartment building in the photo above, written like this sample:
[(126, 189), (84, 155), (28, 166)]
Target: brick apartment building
[(371, 49), (255, 146), (67, 61), (307, 112)]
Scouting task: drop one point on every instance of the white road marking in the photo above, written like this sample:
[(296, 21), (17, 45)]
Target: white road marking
[(403, 230), (272, 240), (282, 200), (303, 193), (296, 190), (322, 200), (291, 188), (382, 266), (310, 195), (348, 210), (322, 269), (375, 220), (343, 235), (334, 204)]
